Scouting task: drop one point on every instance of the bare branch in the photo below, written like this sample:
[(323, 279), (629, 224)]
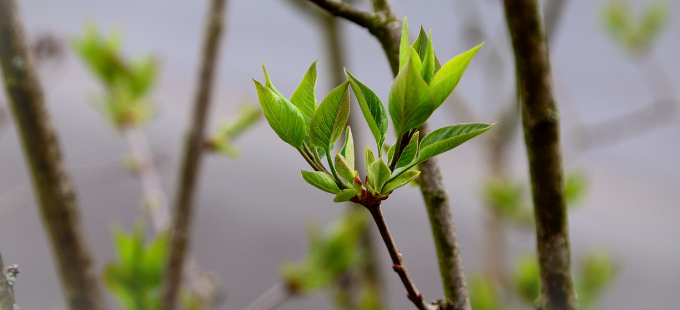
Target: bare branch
[(346, 11), (190, 165), (53, 188), (540, 118), (271, 299), (6, 282)]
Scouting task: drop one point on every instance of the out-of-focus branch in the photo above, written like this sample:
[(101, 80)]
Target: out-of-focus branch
[(540, 118), (387, 30), (6, 290), (271, 299), (193, 146), (54, 191)]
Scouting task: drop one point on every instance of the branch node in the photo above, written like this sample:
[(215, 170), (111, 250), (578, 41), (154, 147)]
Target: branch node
[(11, 274)]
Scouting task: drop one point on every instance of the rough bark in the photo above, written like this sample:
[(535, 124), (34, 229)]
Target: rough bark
[(55, 194), (6, 290), (540, 120), (193, 146)]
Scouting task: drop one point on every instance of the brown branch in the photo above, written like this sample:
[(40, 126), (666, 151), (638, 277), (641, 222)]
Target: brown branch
[(190, 165), (346, 11), (540, 118), (397, 260), (272, 298), (54, 191), (6, 290), (386, 27)]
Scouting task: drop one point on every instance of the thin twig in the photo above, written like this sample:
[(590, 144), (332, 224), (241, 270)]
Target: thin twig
[(271, 299), (540, 118), (397, 259), (341, 9), (190, 165), (53, 188), (386, 27), (6, 290)]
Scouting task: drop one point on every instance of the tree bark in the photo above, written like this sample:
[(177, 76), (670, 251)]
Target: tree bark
[(6, 290), (55, 194), (193, 147), (540, 118)]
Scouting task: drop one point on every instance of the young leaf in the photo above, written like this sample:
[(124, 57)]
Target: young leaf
[(343, 168), (348, 149), (303, 97), (447, 138), (427, 71), (380, 173), (372, 108), (421, 43), (390, 153), (446, 79), (345, 195), (321, 180), (404, 46), (410, 152), (411, 100), (399, 181), (369, 159), (283, 116), (416, 60), (330, 117), (268, 82)]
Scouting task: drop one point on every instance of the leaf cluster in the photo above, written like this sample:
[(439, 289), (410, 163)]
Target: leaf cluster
[(635, 33), (126, 83), (420, 87)]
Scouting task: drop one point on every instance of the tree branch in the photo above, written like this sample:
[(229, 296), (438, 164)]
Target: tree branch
[(540, 118), (397, 260), (54, 191), (189, 167), (6, 291), (271, 299), (346, 11), (387, 30)]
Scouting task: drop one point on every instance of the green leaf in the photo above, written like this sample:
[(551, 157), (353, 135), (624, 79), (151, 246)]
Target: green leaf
[(303, 97), (420, 45), (416, 60), (410, 152), (283, 116), (369, 159), (380, 173), (372, 109), (411, 100), (446, 79), (321, 180), (399, 181), (268, 82), (427, 71), (527, 278), (345, 195), (330, 117), (348, 149), (404, 46), (343, 167), (447, 138)]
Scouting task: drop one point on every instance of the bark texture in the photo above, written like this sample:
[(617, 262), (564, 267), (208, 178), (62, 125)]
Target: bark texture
[(540, 120), (193, 147), (6, 290), (55, 194)]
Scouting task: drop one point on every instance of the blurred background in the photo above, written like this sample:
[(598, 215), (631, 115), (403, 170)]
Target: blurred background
[(252, 210)]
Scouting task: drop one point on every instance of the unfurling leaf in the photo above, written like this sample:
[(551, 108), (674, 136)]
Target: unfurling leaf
[(330, 117), (372, 109), (268, 82), (404, 46), (369, 159), (379, 174), (447, 138), (446, 79), (427, 71), (343, 168), (303, 97), (283, 116), (399, 181), (411, 100), (321, 180), (348, 149)]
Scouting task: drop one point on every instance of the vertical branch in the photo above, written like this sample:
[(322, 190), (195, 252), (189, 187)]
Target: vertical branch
[(540, 118), (189, 167), (6, 290), (53, 188), (386, 27)]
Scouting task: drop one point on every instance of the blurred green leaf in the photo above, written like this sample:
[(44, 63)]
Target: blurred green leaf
[(221, 140), (483, 294), (527, 280), (597, 273), (635, 34), (575, 187)]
